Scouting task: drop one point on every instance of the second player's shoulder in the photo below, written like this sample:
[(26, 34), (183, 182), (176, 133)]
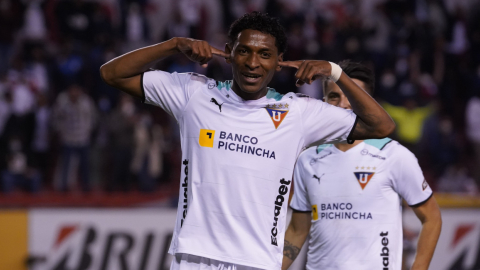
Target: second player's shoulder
[(311, 154), (387, 148)]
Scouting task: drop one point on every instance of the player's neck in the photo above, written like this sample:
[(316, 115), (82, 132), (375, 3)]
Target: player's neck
[(246, 95), (344, 147)]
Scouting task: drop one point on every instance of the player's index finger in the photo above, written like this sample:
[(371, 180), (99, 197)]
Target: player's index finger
[(293, 64), (219, 52)]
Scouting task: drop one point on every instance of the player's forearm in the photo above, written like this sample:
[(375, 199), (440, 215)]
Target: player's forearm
[(374, 121), (427, 243), (136, 62), (293, 244)]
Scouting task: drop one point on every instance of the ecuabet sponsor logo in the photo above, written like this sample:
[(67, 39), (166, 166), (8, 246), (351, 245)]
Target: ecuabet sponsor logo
[(279, 200)]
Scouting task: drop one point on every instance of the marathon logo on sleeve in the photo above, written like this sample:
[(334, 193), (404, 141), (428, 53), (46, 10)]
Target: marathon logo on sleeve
[(282, 191), (185, 191), (385, 251)]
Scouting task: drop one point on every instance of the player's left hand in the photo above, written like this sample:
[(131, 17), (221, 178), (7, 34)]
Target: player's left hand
[(308, 70)]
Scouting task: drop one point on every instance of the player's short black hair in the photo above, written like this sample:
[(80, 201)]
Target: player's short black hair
[(360, 72), (261, 22)]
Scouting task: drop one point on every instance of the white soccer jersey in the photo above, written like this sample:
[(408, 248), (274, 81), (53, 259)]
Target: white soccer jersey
[(238, 158), (355, 200)]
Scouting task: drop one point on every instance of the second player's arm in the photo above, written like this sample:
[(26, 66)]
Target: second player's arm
[(295, 236), (429, 215)]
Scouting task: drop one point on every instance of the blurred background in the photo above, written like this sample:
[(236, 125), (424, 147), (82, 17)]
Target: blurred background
[(89, 177)]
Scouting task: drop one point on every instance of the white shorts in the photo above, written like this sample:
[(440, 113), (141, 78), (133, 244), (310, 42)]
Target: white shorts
[(192, 262)]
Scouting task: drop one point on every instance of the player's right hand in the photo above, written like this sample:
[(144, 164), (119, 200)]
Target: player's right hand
[(199, 50)]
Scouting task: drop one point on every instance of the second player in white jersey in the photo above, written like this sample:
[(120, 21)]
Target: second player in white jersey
[(355, 200), (349, 197)]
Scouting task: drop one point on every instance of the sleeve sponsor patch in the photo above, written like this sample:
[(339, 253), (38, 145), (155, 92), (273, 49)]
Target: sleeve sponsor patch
[(424, 184)]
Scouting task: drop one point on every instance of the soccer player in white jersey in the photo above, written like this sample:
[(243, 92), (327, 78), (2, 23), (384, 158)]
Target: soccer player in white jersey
[(240, 139), (348, 197)]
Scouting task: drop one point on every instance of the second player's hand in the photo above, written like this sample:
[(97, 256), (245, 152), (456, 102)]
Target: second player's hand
[(199, 50), (308, 70)]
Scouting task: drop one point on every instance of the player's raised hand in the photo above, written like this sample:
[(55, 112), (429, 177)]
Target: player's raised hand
[(199, 50), (308, 70)]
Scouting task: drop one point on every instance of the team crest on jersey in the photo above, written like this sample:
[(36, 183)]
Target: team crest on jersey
[(363, 178), (277, 115)]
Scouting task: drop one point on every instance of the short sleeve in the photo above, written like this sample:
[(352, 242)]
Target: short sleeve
[(300, 201), (409, 181), (324, 123), (170, 91)]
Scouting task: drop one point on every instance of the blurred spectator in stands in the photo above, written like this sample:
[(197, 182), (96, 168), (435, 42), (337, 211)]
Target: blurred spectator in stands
[(17, 172), (409, 119), (472, 115), (101, 155), (11, 16), (147, 163), (121, 124), (70, 65), (37, 70), (135, 28), (34, 26), (21, 99), (75, 20), (74, 117), (456, 180), (41, 158), (439, 144), (378, 29), (5, 103)]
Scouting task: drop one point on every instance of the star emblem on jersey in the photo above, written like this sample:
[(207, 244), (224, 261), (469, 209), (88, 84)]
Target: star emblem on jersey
[(363, 178), (276, 115)]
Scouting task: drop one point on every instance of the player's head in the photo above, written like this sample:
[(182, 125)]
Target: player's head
[(360, 74), (257, 43)]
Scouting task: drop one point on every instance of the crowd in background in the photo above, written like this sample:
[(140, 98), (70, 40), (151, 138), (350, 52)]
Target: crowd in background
[(62, 128)]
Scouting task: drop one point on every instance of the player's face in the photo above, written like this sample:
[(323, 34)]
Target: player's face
[(335, 96), (254, 62)]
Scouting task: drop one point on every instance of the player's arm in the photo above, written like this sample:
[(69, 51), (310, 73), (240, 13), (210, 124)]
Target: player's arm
[(124, 72), (295, 236), (373, 120), (429, 215)]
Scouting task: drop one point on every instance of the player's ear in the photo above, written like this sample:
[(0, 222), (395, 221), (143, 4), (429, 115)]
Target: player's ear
[(228, 49), (280, 59)]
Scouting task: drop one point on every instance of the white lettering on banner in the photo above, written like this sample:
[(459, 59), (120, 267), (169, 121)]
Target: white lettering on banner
[(101, 239)]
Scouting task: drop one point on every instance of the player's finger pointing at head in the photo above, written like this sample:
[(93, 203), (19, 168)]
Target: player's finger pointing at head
[(293, 64), (218, 52)]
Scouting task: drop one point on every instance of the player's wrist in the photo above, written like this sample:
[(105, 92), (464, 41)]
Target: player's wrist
[(336, 72)]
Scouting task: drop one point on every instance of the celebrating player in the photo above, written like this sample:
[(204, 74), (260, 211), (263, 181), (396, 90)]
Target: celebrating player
[(240, 139), (349, 197)]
